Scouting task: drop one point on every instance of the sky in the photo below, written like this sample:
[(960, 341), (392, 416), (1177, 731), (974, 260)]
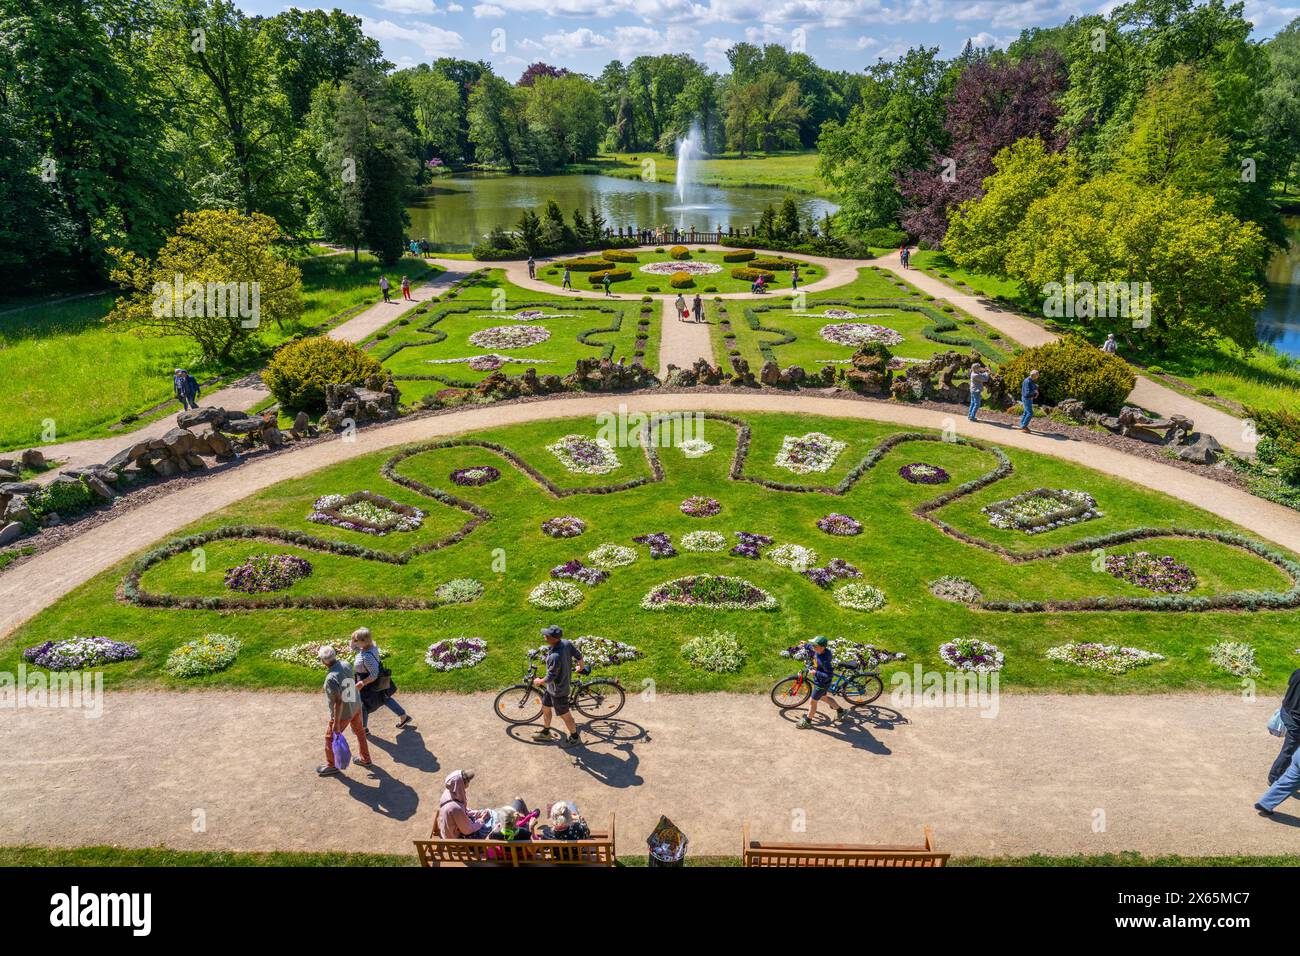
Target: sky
[(584, 35)]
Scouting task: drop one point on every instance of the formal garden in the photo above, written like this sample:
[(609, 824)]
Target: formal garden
[(679, 268)]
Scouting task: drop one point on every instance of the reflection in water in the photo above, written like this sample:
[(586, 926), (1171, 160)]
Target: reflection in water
[(1278, 323), (460, 211)]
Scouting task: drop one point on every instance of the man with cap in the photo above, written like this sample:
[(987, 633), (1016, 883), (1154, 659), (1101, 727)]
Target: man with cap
[(345, 709), (823, 672), (560, 660)]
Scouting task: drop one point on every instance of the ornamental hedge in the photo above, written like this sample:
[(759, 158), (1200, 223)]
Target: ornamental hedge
[(586, 264), (681, 280), (740, 255), (615, 275), (750, 275), (773, 265), (1074, 368), (679, 252), (618, 255), (298, 373)]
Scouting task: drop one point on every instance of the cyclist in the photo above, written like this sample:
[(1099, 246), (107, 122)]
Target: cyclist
[(560, 659), (823, 673)]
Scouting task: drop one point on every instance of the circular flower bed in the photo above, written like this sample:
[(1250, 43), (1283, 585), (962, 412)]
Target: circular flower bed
[(857, 596), (806, 454), (365, 512), (585, 456), (1162, 573), (704, 541), (476, 476), (267, 572), (793, 556), (951, 588), (486, 363), (700, 506), (207, 655), (695, 448), (919, 473), (575, 570), (456, 654), (839, 524), (610, 556), (510, 336), (971, 654), (708, 590), (719, 652), (854, 334), (555, 596), (78, 652), (565, 526), (1107, 658), (1235, 657), (690, 268), (307, 654), (458, 591), (597, 651)]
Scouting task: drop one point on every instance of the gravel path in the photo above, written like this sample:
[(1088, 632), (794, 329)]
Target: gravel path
[(1046, 774), (29, 587), (681, 343)]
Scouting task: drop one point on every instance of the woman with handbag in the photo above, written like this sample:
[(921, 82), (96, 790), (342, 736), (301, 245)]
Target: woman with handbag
[(374, 681)]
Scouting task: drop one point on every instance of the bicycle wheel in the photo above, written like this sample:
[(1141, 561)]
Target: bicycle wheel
[(519, 704), (600, 700), (790, 692), (862, 689)]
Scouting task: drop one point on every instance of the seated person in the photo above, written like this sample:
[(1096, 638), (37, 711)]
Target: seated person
[(513, 824), (566, 824), (455, 820)]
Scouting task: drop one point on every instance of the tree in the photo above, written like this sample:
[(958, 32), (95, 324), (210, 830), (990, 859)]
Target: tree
[(437, 112), (535, 70), (496, 122), (217, 279), (311, 47), (1280, 101), (563, 118)]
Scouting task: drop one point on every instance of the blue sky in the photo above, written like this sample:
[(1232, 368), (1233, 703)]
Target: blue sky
[(584, 35)]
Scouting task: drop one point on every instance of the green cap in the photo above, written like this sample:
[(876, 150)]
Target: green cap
[(820, 641)]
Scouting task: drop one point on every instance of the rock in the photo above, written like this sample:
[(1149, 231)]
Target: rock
[(242, 426), (795, 374), (166, 467), (34, 459), (102, 490), (219, 444), (179, 441), (770, 373), (20, 487), (272, 436), (10, 464), (1204, 451), (1073, 409), (7, 475), (10, 533), (17, 510), (208, 415), (301, 425), (195, 462)]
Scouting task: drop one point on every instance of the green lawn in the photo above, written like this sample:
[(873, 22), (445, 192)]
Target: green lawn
[(641, 282), (792, 172), (898, 552), (63, 371)]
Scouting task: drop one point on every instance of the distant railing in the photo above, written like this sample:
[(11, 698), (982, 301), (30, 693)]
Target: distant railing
[(673, 237)]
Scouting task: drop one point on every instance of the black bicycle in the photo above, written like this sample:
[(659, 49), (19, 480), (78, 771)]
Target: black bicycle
[(598, 699)]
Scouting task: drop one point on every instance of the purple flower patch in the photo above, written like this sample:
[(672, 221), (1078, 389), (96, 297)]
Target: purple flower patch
[(575, 570), (565, 526), (476, 476), (839, 524), (267, 572), (698, 506), (78, 652), (660, 544), (919, 473)]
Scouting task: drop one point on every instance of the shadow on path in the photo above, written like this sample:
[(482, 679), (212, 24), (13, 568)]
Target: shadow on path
[(388, 797), (857, 728), (407, 748), (606, 753)]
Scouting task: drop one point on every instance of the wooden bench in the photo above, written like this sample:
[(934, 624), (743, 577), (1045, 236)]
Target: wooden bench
[(598, 850), (755, 853)]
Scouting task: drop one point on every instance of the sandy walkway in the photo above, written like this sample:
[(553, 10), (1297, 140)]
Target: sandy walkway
[(681, 343), (1173, 774)]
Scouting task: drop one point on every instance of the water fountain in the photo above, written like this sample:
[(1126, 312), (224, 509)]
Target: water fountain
[(688, 149)]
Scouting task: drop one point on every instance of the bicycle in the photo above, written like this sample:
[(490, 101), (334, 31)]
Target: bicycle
[(855, 684), (599, 699)]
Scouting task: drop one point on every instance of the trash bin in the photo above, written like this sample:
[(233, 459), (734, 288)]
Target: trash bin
[(667, 844)]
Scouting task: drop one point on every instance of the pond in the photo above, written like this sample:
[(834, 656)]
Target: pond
[(1278, 323), (459, 211)]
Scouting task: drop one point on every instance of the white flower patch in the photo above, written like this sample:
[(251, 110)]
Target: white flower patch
[(1042, 509), (695, 448), (555, 596), (489, 357), (858, 596), (610, 556), (679, 265), (529, 315), (585, 456), (854, 334), (510, 336), (704, 541), (793, 556), (813, 452)]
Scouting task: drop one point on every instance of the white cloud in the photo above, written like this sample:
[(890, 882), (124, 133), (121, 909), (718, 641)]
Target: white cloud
[(455, 8), (622, 42), (488, 11), (433, 41), (407, 6)]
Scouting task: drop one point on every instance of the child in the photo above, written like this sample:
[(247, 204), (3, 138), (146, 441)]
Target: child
[(823, 664)]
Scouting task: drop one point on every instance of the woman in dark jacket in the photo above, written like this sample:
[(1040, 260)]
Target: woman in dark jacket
[(1291, 720)]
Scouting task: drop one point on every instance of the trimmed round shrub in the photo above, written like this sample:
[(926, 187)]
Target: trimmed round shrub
[(586, 264), (679, 252), (615, 275), (618, 255), (749, 275), (1073, 368), (739, 255), (773, 265), (681, 280), (298, 373)]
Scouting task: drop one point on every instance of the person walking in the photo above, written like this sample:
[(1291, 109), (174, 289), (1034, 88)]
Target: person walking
[(604, 282), (344, 709), (373, 680), (383, 287), (1110, 346), (406, 288), (532, 267), (568, 280), (794, 280), (1289, 713), (681, 307), (823, 673), (561, 659), (180, 387), (1028, 392), (979, 377), (697, 306)]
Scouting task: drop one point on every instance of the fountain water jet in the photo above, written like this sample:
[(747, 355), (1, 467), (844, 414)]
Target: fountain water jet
[(688, 149)]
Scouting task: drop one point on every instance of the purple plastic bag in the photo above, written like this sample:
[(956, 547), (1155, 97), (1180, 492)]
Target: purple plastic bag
[(342, 753)]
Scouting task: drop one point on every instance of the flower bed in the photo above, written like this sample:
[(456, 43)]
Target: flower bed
[(458, 591), (793, 556), (711, 591), (598, 651), (1042, 509), (700, 506), (840, 525), (1235, 657), (689, 267), (858, 596), (846, 653), (307, 654), (695, 448), (565, 526), (836, 569), (555, 596), (659, 543), (365, 512), (704, 541), (267, 572), (972, 654), (1162, 573), (1108, 658), (575, 570), (813, 452), (950, 588), (456, 654), (510, 336), (719, 652), (854, 334), (919, 473), (610, 556), (750, 545), (75, 653), (207, 655), (585, 456), (476, 476)]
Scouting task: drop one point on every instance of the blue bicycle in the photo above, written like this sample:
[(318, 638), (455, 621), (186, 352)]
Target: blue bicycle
[(856, 683)]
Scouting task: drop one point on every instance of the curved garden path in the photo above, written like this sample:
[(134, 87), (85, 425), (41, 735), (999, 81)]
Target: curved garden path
[(35, 584)]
